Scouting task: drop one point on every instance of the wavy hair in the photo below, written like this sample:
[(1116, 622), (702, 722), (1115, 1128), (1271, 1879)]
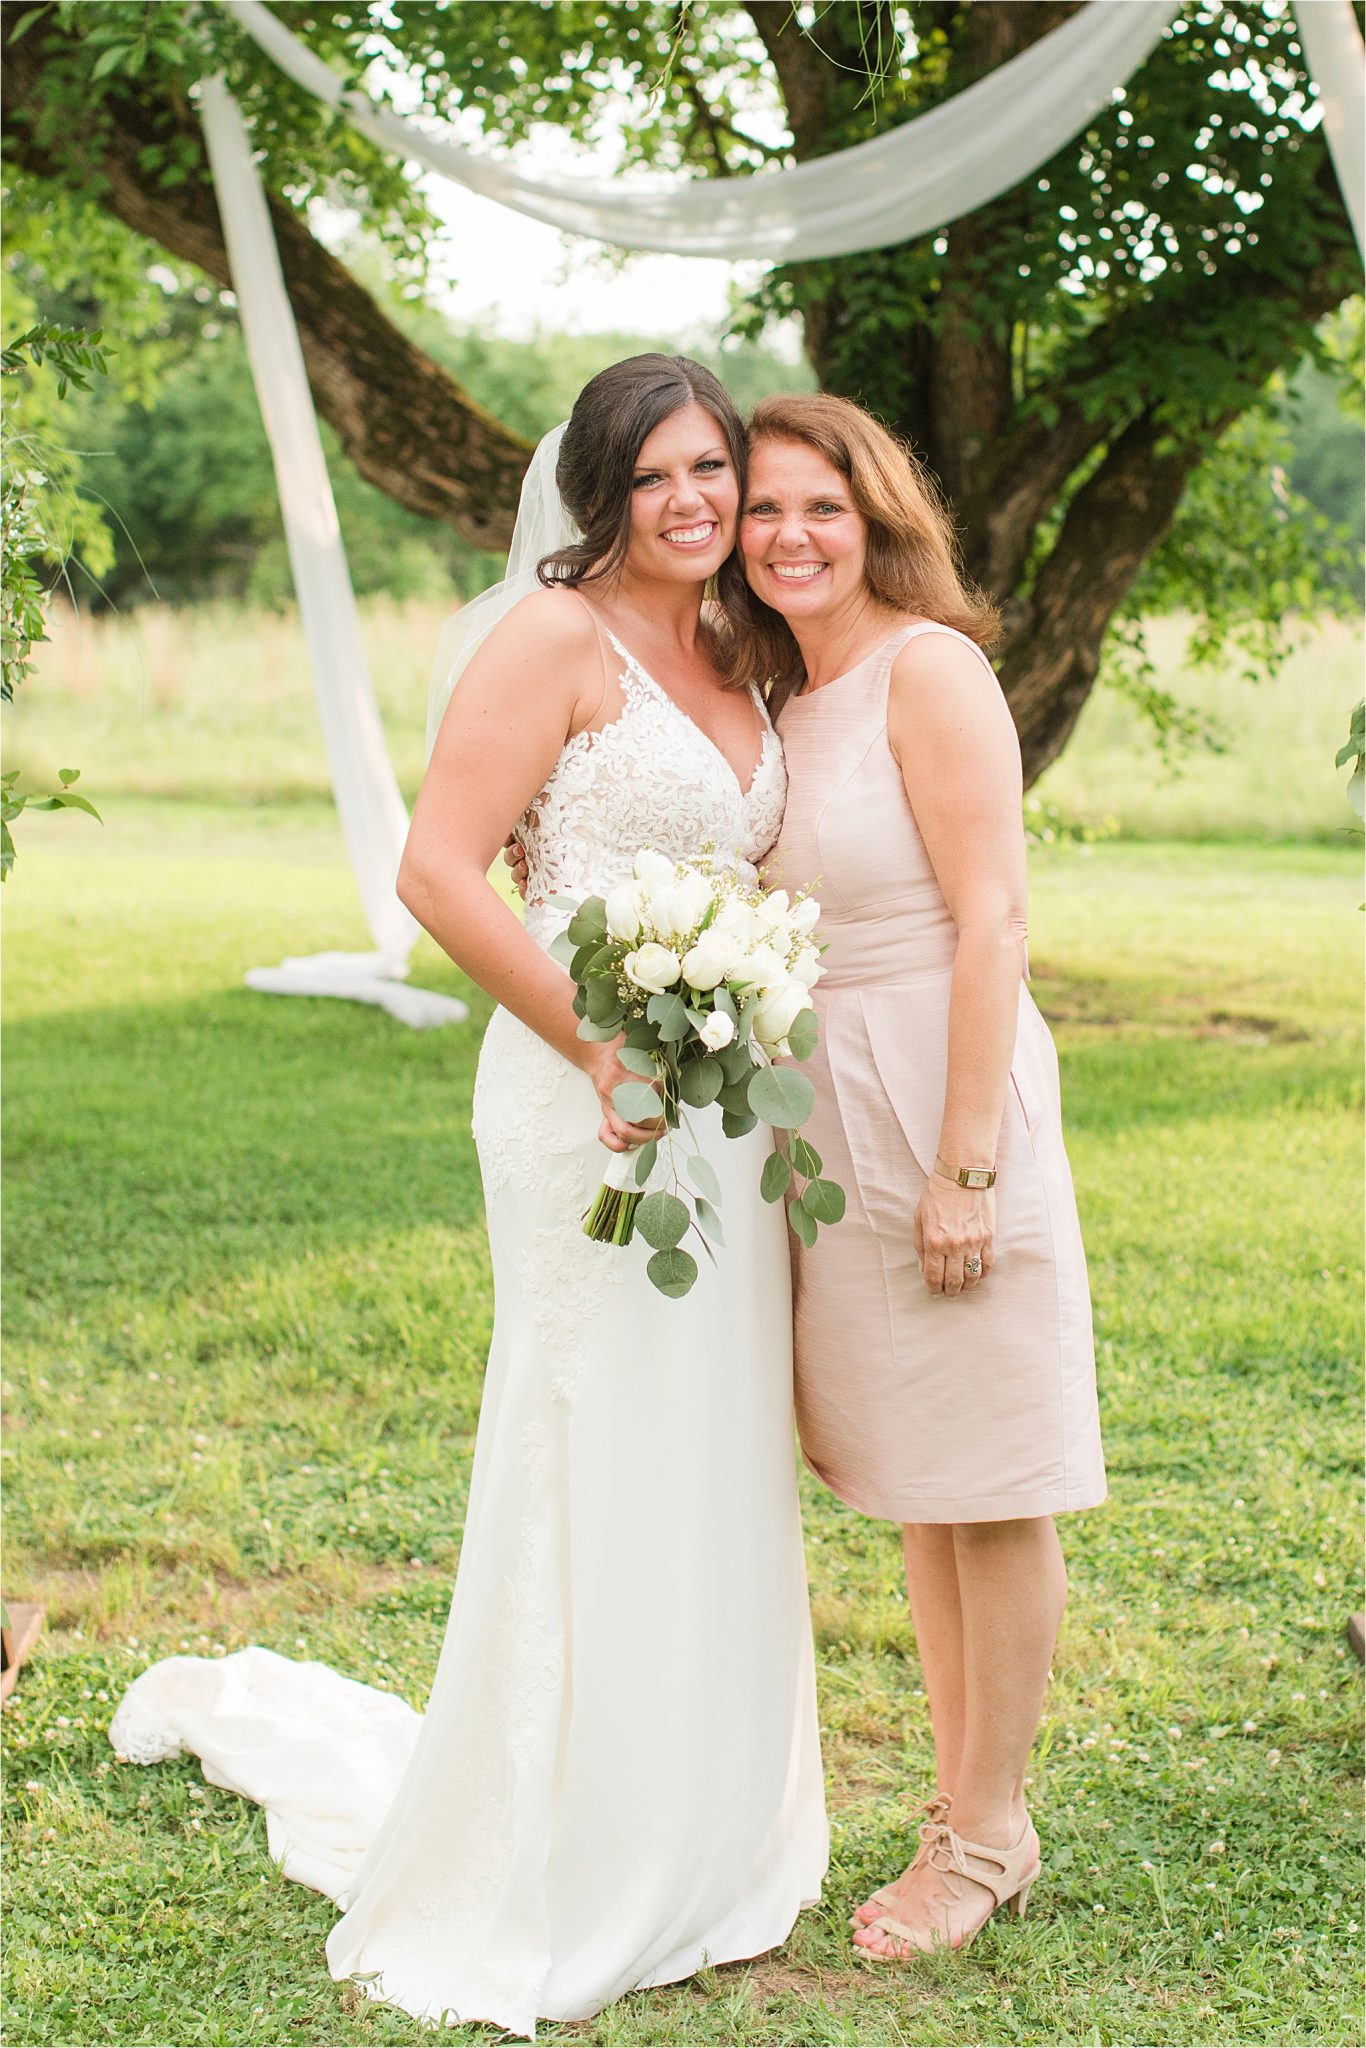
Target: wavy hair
[(613, 416), (912, 562)]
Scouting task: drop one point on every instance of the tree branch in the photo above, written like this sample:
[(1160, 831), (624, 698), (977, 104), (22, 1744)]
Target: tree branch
[(403, 420)]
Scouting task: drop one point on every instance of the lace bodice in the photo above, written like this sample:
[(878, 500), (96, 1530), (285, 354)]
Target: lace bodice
[(650, 778)]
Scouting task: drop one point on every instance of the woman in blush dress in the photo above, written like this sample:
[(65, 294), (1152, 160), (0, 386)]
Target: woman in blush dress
[(944, 1359)]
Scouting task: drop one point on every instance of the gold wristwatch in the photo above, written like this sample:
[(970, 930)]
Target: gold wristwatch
[(967, 1176)]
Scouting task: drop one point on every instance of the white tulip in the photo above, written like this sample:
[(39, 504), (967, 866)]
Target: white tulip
[(804, 918), (668, 911), (697, 892), (776, 1013), (653, 869), (652, 967), (772, 910), (738, 918), (763, 968), (807, 967), (717, 1032), (624, 907), (710, 960)]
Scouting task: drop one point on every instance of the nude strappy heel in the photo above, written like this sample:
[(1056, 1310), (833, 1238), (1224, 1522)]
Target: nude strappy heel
[(934, 1810), (1008, 1874)]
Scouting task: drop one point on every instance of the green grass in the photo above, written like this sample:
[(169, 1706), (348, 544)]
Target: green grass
[(248, 1306), (216, 703)]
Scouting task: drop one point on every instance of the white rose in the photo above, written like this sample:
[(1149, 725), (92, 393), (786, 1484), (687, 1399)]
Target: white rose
[(772, 910), (652, 967), (717, 1032), (776, 1013), (805, 917), (737, 918), (807, 967), (710, 960), (653, 869), (624, 906), (697, 892), (763, 968)]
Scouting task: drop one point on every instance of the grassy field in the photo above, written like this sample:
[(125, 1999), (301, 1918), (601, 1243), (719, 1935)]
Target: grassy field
[(217, 704), (248, 1304)]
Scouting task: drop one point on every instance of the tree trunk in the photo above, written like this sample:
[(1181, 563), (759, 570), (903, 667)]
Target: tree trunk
[(403, 420)]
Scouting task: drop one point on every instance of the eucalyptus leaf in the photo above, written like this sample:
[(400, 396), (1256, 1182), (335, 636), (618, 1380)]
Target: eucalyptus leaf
[(803, 1035), (709, 1221), (563, 949), (672, 1272), (662, 1220), (704, 1177), (669, 1015), (645, 1162), (776, 1177), (803, 1224), (604, 1004), (806, 1160), (823, 1200), (636, 1062), (636, 1103), (724, 1001), (700, 1082), (781, 1097), (595, 1034), (734, 1125)]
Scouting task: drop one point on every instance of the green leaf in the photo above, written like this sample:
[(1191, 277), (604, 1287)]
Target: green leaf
[(781, 1097), (604, 1004), (645, 1162), (746, 1022), (735, 1097), (669, 1015), (672, 1272), (636, 1103), (640, 1036), (595, 1034), (638, 1062), (803, 1224), (803, 1035), (21, 28), (733, 1125), (709, 1221), (563, 949), (588, 925), (704, 1177), (110, 59), (662, 1220), (700, 1082), (66, 776), (823, 1200), (806, 1160), (736, 1064), (776, 1177), (724, 1001)]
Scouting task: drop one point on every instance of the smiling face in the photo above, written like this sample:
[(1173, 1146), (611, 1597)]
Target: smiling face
[(685, 498), (801, 537)]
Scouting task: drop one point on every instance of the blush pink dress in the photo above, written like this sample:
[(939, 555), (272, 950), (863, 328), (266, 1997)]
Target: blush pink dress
[(916, 1407)]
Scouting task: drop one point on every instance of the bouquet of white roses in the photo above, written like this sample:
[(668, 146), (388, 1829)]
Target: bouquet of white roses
[(707, 983)]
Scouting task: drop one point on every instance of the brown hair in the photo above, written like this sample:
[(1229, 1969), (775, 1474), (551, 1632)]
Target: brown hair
[(912, 559), (613, 416)]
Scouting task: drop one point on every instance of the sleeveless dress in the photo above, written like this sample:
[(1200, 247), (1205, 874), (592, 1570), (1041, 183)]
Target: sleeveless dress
[(617, 1779), (912, 1406)]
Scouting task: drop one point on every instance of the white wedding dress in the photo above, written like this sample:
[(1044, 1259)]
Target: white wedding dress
[(617, 1778)]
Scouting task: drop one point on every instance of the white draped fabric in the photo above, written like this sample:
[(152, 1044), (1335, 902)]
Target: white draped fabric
[(373, 818), (907, 182), (1334, 52)]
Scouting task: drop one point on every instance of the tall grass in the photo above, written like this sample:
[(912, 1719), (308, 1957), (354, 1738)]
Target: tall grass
[(217, 702)]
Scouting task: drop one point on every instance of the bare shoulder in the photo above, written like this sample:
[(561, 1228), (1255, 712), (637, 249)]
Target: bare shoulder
[(553, 626), (946, 707)]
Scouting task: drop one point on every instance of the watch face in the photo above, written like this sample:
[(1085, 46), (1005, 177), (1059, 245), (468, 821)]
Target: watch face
[(977, 1177)]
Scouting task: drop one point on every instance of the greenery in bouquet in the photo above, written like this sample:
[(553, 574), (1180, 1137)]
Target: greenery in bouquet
[(707, 983)]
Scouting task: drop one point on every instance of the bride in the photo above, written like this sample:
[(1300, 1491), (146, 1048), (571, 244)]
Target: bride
[(617, 1778)]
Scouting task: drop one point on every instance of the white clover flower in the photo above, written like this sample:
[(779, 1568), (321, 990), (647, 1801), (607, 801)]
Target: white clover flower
[(652, 967)]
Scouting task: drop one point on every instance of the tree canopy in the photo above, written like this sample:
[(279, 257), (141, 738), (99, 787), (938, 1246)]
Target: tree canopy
[(1073, 360)]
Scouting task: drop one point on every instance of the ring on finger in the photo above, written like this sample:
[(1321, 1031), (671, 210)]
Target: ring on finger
[(972, 1267)]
